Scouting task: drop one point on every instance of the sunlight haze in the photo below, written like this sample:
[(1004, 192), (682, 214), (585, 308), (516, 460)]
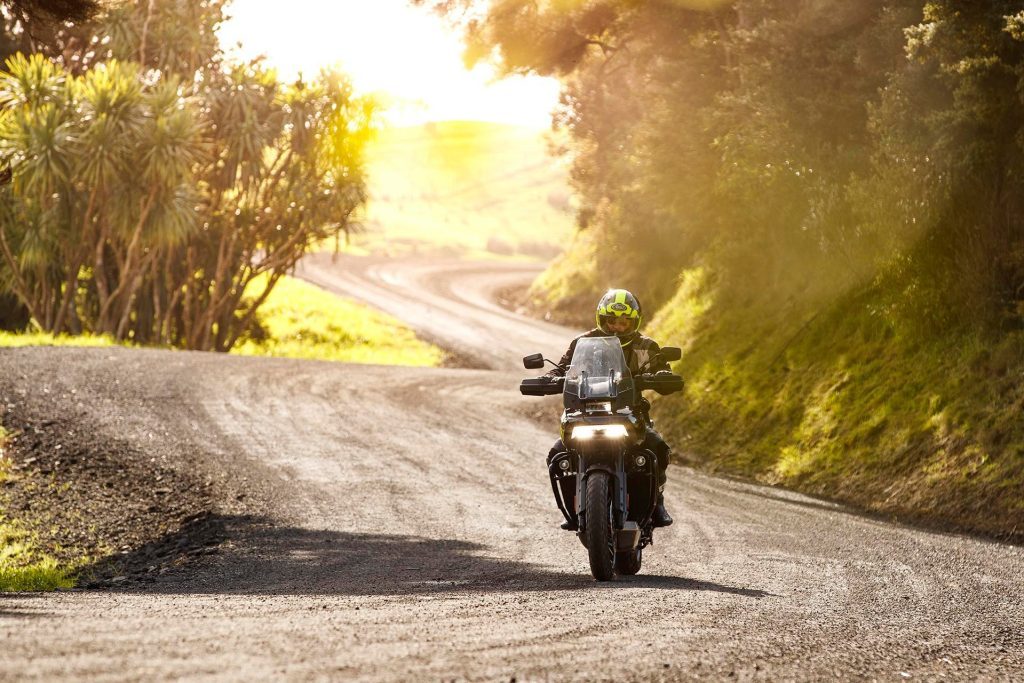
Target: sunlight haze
[(405, 54)]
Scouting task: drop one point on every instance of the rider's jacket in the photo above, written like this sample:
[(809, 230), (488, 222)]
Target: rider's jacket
[(638, 352)]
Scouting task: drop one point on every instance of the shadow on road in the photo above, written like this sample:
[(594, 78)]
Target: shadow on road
[(18, 606), (264, 559), (680, 583)]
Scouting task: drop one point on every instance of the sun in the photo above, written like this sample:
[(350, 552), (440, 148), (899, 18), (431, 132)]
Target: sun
[(404, 54)]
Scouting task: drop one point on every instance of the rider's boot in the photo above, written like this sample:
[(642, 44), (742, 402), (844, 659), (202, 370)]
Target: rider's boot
[(661, 516), (570, 526)]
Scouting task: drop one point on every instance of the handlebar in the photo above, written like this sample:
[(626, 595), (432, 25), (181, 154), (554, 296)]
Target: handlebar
[(664, 383), (542, 386)]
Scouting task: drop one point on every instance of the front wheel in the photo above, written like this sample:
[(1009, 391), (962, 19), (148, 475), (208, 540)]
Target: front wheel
[(600, 533)]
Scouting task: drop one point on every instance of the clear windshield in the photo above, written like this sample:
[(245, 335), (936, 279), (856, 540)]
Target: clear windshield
[(598, 369)]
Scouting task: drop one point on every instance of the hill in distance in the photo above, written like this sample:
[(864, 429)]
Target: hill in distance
[(466, 187)]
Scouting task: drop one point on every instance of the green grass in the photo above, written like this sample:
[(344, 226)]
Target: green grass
[(300, 320), (23, 565), (473, 188), (16, 339), (304, 321), (829, 397)]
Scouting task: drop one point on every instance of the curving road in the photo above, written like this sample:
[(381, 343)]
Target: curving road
[(399, 527), (449, 302)]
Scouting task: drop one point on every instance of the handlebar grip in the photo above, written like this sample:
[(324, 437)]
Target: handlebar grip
[(541, 386)]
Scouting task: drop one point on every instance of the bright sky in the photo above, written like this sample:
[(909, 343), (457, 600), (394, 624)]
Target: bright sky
[(388, 47)]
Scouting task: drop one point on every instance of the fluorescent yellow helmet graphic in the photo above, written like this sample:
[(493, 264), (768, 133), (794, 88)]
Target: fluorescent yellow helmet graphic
[(619, 314)]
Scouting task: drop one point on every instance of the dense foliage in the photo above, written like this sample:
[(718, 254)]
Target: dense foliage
[(59, 10), (764, 137), (152, 183)]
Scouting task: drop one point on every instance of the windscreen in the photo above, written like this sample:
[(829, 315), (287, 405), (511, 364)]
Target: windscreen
[(597, 370)]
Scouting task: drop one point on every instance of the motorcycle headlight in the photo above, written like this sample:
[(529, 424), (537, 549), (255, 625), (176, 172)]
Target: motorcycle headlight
[(585, 432)]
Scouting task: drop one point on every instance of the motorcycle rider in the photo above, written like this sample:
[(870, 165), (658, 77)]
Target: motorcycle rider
[(619, 315)]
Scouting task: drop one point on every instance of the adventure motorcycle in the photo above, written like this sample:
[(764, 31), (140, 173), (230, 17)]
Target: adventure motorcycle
[(604, 425)]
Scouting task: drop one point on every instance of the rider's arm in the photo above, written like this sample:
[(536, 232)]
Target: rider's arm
[(658, 367), (566, 359)]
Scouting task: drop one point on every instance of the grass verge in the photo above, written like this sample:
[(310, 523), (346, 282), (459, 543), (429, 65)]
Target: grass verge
[(300, 320), (823, 386), (17, 339), (24, 566)]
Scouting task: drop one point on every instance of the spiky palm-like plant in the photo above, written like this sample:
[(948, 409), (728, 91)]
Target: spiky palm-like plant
[(99, 166), (145, 200)]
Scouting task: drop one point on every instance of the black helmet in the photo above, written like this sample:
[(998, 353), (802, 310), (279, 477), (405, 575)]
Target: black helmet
[(615, 307)]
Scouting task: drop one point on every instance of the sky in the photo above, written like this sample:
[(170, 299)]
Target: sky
[(387, 47)]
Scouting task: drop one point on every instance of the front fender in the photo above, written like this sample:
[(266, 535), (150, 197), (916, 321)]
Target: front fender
[(581, 487), (602, 466)]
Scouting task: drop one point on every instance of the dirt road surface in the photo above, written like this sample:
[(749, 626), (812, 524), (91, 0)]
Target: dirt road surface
[(396, 524)]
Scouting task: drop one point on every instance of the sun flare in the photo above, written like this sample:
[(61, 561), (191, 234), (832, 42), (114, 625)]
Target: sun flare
[(404, 54)]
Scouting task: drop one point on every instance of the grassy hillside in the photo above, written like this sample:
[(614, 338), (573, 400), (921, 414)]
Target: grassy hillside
[(469, 187), (832, 397)]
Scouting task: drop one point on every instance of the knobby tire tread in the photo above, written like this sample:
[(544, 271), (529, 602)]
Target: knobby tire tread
[(598, 531)]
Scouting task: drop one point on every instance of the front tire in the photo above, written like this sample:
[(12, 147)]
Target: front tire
[(600, 535)]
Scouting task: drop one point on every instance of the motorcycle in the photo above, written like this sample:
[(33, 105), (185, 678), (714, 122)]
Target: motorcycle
[(603, 426)]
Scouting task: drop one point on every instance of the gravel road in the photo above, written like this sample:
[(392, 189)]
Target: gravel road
[(396, 524)]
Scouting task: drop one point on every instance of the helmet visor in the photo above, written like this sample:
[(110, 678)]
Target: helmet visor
[(618, 325)]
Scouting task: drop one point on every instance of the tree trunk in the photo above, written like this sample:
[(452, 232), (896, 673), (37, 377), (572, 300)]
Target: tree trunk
[(127, 276), (20, 286)]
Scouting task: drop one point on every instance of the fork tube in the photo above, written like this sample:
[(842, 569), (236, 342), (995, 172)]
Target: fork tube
[(581, 471), (621, 513)]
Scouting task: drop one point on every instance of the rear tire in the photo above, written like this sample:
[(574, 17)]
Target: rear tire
[(628, 562), (599, 533)]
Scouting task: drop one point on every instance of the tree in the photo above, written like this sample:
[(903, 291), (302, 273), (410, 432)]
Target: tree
[(146, 200), (53, 10), (101, 181), (784, 142), (950, 135)]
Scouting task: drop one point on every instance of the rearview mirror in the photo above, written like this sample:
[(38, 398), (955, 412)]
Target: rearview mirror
[(671, 353), (534, 361)]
